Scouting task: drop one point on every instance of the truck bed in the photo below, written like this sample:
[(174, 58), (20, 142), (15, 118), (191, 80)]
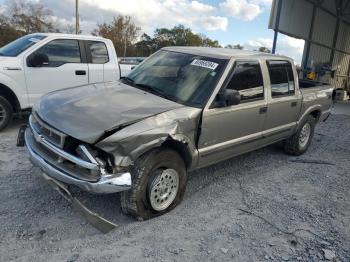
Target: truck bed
[(316, 94)]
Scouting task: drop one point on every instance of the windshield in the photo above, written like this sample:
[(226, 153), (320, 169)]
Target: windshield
[(18, 46), (184, 78)]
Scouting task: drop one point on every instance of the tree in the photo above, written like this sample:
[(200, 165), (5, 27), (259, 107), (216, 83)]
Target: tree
[(122, 31), (237, 46), (30, 16), (264, 49), (181, 36), (7, 32), (145, 47)]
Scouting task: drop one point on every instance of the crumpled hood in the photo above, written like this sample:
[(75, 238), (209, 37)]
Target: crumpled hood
[(88, 112)]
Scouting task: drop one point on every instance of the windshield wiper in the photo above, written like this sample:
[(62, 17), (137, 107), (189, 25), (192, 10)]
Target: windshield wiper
[(156, 91)]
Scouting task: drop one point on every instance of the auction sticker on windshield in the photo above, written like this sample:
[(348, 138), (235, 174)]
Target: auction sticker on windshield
[(34, 40), (205, 64)]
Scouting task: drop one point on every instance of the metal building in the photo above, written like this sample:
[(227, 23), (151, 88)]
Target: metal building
[(325, 27)]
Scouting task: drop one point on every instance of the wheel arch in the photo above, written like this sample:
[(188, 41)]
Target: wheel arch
[(314, 111), (7, 93), (316, 114), (181, 148)]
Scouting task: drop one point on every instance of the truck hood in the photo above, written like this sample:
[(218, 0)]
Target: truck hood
[(90, 112)]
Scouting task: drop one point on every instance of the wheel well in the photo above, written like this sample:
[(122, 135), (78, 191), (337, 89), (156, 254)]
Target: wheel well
[(181, 149), (7, 93), (316, 114)]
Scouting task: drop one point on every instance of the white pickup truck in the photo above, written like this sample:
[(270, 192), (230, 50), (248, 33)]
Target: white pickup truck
[(36, 64)]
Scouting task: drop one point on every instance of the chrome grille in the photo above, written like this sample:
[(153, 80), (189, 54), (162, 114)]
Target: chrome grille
[(49, 145), (52, 135)]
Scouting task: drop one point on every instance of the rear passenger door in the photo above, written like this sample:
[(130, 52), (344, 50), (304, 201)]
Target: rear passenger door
[(230, 130), (283, 101), (97, 57)]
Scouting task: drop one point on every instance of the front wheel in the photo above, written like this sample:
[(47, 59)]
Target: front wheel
[(159, 181), (301, 140), (6, 112)]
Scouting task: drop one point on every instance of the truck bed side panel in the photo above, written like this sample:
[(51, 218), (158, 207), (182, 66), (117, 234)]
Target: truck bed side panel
[(316, 98)]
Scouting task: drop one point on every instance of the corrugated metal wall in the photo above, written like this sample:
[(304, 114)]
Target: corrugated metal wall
[(296, 21), (296, 17), (324, 28), (343, 41)]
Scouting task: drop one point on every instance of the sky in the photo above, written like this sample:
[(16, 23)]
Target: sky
[(242, 22)]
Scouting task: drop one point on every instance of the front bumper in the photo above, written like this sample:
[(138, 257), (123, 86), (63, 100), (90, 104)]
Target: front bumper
[(106, 183)]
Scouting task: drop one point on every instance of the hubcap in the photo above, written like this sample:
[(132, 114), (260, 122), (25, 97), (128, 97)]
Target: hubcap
[(163, 189), (304, 135), (2, 114)]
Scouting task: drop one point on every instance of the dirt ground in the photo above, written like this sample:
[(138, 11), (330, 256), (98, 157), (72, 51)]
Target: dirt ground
[(261, 206)]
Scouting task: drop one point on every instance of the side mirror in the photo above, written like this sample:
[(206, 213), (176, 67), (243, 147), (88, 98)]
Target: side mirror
[(232, 97), (38, 60), (132, 68)]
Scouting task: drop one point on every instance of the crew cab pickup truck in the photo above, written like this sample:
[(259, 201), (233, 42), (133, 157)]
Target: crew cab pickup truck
[(181, 109), (36, 64)]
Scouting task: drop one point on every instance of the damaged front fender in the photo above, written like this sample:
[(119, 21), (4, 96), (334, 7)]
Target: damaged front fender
[(175, 127)]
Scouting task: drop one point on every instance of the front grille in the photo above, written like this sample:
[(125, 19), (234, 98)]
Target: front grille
[(49, 144), (54, 136)]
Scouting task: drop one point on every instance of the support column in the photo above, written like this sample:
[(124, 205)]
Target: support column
[(277, 24)]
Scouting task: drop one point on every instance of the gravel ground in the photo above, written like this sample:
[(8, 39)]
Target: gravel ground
[(261, 206)]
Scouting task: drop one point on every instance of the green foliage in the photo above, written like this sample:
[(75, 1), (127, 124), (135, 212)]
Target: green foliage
[(7, 32), (176, 36), (126, 45), (238, 46), (264, 49), (122, 31)]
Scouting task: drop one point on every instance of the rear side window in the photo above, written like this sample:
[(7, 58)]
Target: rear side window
[(281, 77), (61, 51), (247, 79), (98, 52)]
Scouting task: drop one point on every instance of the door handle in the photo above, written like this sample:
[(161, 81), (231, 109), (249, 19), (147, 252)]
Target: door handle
[(293, 104), (263, 110), (80, 72)]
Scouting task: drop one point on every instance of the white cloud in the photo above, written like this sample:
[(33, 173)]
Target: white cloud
[(149, 14), (291, 47), (2, 9), (286, 45), (244, 9)]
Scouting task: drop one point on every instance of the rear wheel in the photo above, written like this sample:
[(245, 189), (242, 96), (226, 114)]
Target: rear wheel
[(301, 140), (6, 112), (158, 184)]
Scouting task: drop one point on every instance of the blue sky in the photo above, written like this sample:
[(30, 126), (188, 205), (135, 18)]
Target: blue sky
[(228, 21)]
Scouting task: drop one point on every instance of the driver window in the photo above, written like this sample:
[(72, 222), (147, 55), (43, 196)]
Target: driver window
[(247, 79), (60, 52)]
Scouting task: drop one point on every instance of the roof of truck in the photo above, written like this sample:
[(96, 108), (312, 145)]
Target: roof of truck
[(222, 52), (70, 36)]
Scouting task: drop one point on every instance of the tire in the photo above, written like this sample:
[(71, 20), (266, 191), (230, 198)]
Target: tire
[(299, 143), (148, 185), (6, 113)]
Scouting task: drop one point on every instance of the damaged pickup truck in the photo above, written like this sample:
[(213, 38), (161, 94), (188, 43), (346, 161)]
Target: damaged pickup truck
[(183, 108)]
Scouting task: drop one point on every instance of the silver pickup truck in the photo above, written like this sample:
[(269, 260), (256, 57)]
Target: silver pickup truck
[(183, 108)]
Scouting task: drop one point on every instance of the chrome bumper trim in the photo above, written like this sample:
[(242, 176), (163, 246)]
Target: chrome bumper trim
[(105, 185)]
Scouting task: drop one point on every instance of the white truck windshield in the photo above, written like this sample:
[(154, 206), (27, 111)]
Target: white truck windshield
[(18, 46)]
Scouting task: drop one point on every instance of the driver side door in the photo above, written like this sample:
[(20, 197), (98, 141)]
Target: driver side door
[(234, 129), (65, 68)]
